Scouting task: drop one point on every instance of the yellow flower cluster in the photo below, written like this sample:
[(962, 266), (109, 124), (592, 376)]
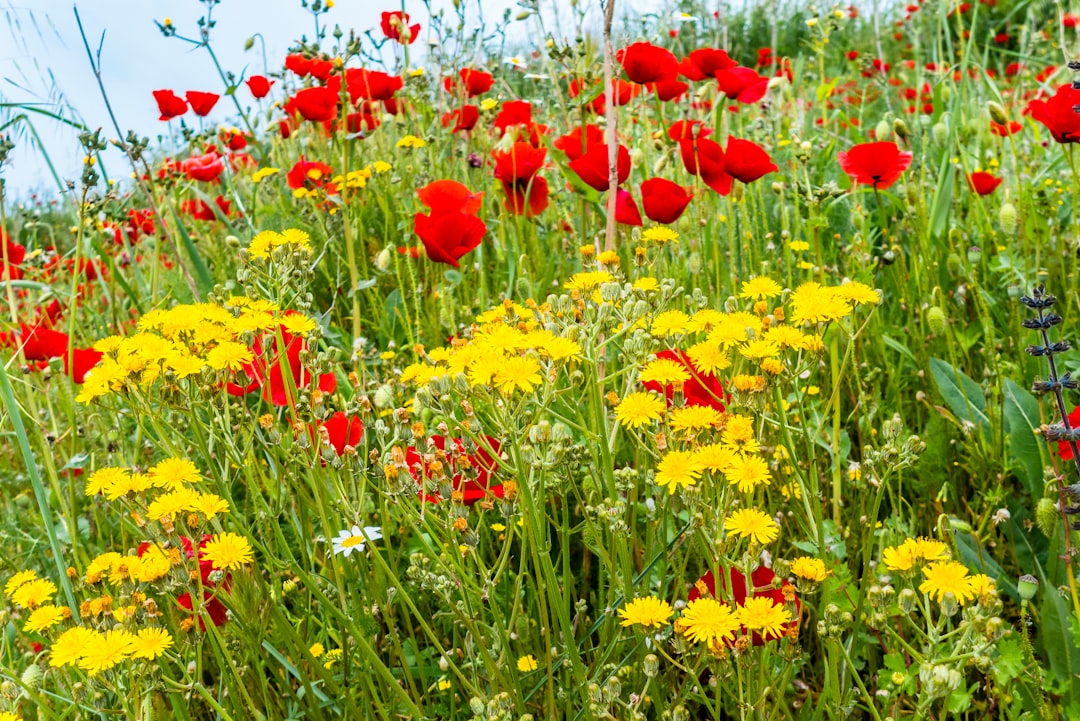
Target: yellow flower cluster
[(95, 651), (941, 575), (263, 244), (117, 569), (715, 624), (173, 476), (734, 455), (509, 349), (183, 341)]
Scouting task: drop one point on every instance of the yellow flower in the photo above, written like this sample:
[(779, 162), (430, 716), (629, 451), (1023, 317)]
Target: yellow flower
[(44, 617), (715, 457), (588, 280), (638, 409), (648, 611), (695, 418), (660, 235), (759, 350), (297, 324), (518, 373), (71, 646), (670, 322), (708, 357), (316, 650), (799, 246), (947, 577), (646, 284), (151, 642), (665, 372), (210, 505), (748, 471), (34, 593), (753, 524), (900, 558), (410, 141), (17, 580), (708, 621), (608, 257), (678, 468), (381, 166), (263, 173), (760, 288), (813, 303), (228, 551), (172, 503), (983, 586), (332, 657), (174, 473), (811, 569), (263, 243), (105, 650), (858, 293), (488, 104), (230, 355), (527, 663), (104, 478), (764, 615)]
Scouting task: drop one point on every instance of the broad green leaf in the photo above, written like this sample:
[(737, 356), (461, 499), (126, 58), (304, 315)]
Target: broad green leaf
[(1021, 412), (943, 195), (963, 395)]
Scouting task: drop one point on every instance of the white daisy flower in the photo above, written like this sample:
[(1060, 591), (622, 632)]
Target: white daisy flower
[(516, 61), (354, 539), (684, 18)]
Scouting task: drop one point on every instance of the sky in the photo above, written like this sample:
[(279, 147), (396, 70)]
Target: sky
[(42, 59)]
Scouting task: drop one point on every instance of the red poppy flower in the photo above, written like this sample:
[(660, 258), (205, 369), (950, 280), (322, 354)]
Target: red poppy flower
[(395, 25), (688, 130), (468, 473), (343, 431), (170, 105), (266, 371), (877, 164), (464, 118), (626, 210), (577, 141), (668, 90), (11, 255), (202, 103), (79, 362), (1004, 130), (592, 167), (449, 196), (663, 200), (746, 161), (259, 86), (983, 183), (1064, 448), (308, 174), (521, 162), (361, 122), (705, 158), (41, 344), (473, 82), (447, 236), (513, 112), (622, 92), (734, 592), (298, 64), (705, 63), (529, 198), (703, 389), (742, 84), (1057, 114), (647, 63), (211, 606), (371, 84), (207, 167), (317, 105), (198, 208)]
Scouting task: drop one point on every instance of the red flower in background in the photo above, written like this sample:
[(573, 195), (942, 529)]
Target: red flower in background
[(298, 64), (513, 112), (669, 89), (622, 91), (742, 84), (517, 169), (705, 158), (79, 363), (371, 84), (343, 431), (170, 105), (1064, 448), (206, 168), (705, 63), (703, 389), (878, 164), (202, 103), (259, 86), (1004, 130), (11, 256), (983, 183), (308, 174), (646, 63), (592, 167), (663, 200), (688, 130), (1057, 114), (395, 25), (577, 141), (38, 343), (199, 209), (211, 605), (444, 196), (449, 235), (464, 118), (266, 371), (473, 82), (470, 473), (746, 161), (733, 591), (626, 210), (315, 104)]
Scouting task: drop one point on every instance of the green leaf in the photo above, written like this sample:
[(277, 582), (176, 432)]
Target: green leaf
[(1021, 412), (1009, 663), (960, 699), (963, 395), (939, 211)]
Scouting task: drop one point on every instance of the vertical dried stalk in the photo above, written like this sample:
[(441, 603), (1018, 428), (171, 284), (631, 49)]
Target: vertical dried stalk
[(609, 116)]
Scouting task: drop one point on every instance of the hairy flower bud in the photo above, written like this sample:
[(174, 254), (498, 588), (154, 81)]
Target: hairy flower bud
[(935, 318), (1007, 218)]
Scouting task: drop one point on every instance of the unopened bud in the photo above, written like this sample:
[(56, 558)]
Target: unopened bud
[(882, 131), (1047, 517), (997, 113), (1007, 218), (935, 318), (901, 129)]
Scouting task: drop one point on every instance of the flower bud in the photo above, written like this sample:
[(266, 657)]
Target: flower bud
[(906, 600), (1027, 586), (882, 131), (1007, 218), (940, 133), (935, 318), (32, 676), (651, 665), (997, 113), (660, 164), (901, 129), (1046, 516), (382, 260)]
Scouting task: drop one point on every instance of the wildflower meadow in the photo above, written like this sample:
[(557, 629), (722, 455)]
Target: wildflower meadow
[(711, 363)]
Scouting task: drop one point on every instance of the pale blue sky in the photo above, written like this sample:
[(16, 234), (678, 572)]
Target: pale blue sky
[(40, 41)]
